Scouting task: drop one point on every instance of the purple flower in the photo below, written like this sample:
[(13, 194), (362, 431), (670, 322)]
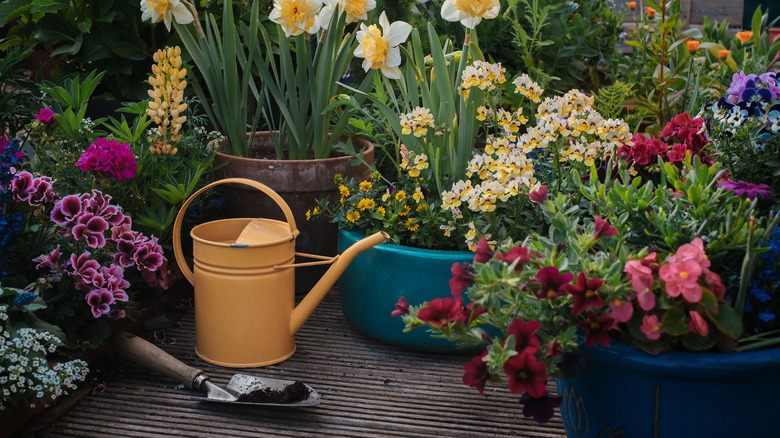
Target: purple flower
[(109, 157), (148, 255), (83, 267), (743, 188), (42, 192), (100, 204), (603, 229), (540, 408), (538, 195), (112, 279), (125, 240), (51, 260), (100, 300), (45, 115), (22, 186), (91, 228), (66, 211)]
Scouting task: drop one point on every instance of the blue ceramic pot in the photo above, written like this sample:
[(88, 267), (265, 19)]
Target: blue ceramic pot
[(625, 392), (375, 280)]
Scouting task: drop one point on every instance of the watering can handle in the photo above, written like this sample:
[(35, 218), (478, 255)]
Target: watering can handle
[(185, 269)]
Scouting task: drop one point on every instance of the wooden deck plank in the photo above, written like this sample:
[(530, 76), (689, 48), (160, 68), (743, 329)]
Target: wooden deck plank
[(367, 388)]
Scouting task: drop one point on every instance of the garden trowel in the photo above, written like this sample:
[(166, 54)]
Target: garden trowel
[(242, 388)]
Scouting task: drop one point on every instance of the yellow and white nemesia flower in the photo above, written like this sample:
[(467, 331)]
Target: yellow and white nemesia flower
[(296, 16), (155, 10), (379, 48), (470, 12), (417, 122), (357, 10)]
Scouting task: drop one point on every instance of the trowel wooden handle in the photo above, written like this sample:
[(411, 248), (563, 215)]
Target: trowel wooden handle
[(149, 356)]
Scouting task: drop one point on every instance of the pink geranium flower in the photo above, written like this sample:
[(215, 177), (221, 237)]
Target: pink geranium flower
[(45, 115), (51, 260), (148, 254), (651, 327), (83, 267), (109, 157), (21, 186), (42, 191), (100, 301), (526, 374)]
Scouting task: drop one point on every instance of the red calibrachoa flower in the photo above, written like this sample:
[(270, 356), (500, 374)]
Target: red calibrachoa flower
[(525, 335), (442, 311), (603, 229), (550, 282), (401, 307), (483, 252), (462, 277), (518, 253), (596, 329), (584, 293), (526, 374), (477, 373)]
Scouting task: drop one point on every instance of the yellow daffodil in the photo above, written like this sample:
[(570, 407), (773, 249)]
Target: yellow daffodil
[(379, 48), (357, 10), (470, 12), (165, 10), (296, 16)]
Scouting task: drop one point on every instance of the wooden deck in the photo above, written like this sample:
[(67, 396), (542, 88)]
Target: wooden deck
[(367, 388)]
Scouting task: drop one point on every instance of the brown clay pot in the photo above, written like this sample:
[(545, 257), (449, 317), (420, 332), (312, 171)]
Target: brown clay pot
[(300, 183)]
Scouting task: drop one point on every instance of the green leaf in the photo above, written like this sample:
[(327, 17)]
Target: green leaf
[(46, 6), (696, 342), (673, 322), (126, 45), (12, 9), (709, 300), (727, 320)]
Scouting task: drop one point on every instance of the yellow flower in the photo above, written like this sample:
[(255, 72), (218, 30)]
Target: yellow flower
[(296, 16), (379, 48), (413, 172), (344, 190), (404, 211), (353, 216), (470, 12), (366, 204), (418, 195), (421, 207), (381, 211), (411, 226), (365, 186), (356, 10), (400, 195), (386, 196), (744, 36), (338, 178), (166, 108), (155, 10)]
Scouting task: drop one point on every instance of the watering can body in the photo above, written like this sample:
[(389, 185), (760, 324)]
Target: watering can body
[(245, 313)]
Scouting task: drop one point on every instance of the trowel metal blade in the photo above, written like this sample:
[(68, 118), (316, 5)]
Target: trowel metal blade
[(251, 390)]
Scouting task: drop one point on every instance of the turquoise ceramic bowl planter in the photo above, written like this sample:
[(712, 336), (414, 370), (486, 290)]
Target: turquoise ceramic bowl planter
[(624, 392), (379, 276)]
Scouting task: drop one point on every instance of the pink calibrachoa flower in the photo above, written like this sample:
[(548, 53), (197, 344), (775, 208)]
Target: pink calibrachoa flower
[(100, 300), (519, 253), (526, 374), (682, 279), (524, 333), (551, 282), (603, 229), (585, 293), (45, 115), (483, 252), (554, 348), (442, 311), (476, 373), (462, 277), (596, 329), (470, 313), (538, 195), (620, 310), (697, 324), (651, 327), (109, 157), (401, 307)]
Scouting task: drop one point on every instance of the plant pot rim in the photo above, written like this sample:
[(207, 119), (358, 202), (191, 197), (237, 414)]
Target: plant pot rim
[(368, 146), (622, 355), (409, 251)]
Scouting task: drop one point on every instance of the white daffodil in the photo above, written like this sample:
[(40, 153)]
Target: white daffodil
[(155, 10), (470, 12), (296, 16), (357, 10), (379, 48)]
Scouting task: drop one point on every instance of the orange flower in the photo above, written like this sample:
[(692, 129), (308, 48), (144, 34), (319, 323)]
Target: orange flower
[(723, 54), (650, 11), (693, 45), (632, 5), (744, 36)]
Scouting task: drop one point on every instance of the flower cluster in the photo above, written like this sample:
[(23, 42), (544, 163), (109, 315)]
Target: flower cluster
[(11, 223), (167, 107), (25, 374), (483, 75), (761, 305), (108, 158), (417, 122)]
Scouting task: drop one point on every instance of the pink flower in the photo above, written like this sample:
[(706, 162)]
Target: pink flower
[(148, 255), (713, 282), (112, 279), (66, 211), (525, 335), (483, 253), (640, 272), (100, 300), (442, 311), (476, 373), (462, 277), (21, 186), (538, 195), (526, 374), (691, 251), (603, 229), (554, 348), (45, 115), (584, 293), (651, 327), (91, 228), (42, 192), (51, 260), (401, 307), (83, 267), (697, 324), (518, 253), (644, 150), (682, 279), (621, 311), (109, 157), (159, 278)]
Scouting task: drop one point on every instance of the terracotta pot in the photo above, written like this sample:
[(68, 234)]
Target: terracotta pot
[(300, 183)]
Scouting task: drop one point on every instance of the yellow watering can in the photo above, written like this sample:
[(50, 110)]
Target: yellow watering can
[(244, 278)]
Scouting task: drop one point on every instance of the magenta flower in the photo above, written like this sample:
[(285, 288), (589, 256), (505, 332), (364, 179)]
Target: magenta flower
[(83, 267), (483, 253), (697, 324), (526, 374), (111, 279), (713, 282), (462, 277), (550, 282), (540, 408), (67, 211), (51, 260), (538, 195), (109, 157), (42, 192), (518, 253), (100, 205), (603, 229), (401, 307), (159, 278), (585, 293), (22, 186), (45, 115), (100, 300), (148, 255), (125, 240), (596, 329), (651, 327), (442, 311), (643, 150), (525, 335), (91, 229), (476, 374), (554, 348), (116, 314), (470, 313), (742, 188)]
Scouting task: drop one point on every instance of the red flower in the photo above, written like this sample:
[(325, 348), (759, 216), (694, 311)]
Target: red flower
[(401, 307), (596, 329), (525, 335), (526, 374), (462, 277), (551, 280), (442, 311), (476, 373), (584, 293), (603, 228), (538, 195), (470, 314), (483, 253), (518, 253), (540, 408), (554, 348), (644, 150)]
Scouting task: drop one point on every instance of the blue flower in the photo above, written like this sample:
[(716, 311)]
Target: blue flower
[(766, 316), (25, 298)]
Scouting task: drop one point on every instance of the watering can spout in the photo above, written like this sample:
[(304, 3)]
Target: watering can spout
[(305, 308)]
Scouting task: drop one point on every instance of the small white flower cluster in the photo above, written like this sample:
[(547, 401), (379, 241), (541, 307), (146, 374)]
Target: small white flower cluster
[(25, 374)]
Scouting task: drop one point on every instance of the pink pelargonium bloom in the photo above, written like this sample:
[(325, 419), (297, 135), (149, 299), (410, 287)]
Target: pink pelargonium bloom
[(67, 210), (112, 279), (99, 204), (651, 327), (21, 186), (100, 301), (442, 311), (148, 255), (158, 278), (109, 157), (697, 324), (50, 260), (524, 333), (682, 279), (126, 241), (621, 310), (45, 115), (91, 229), (42, 192), (476, 373), (83, 267), (526, 374), (462, 277)]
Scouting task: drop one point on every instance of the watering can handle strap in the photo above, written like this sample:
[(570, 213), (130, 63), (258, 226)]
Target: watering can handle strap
[(182, 262), (323, 260)]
